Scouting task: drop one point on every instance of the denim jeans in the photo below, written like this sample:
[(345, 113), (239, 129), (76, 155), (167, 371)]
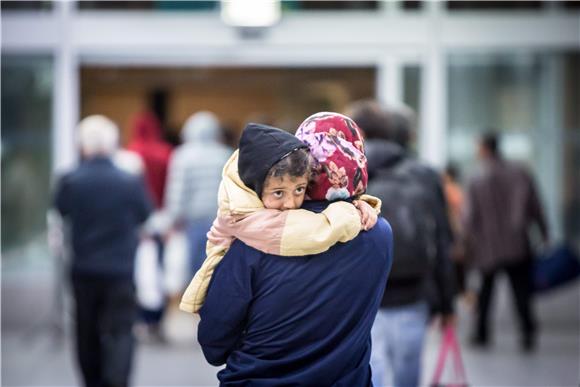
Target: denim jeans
[(397, 343)]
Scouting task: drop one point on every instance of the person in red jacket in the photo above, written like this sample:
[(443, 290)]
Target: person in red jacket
[(146, 140)]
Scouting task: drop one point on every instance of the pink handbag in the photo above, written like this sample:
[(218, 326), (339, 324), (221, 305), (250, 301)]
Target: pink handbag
[(450, 346)]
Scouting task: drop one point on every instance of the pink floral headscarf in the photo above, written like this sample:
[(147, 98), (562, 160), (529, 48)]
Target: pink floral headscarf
[(336, 144)]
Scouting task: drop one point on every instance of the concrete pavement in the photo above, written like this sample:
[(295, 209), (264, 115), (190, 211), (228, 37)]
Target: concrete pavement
[(31, 356)]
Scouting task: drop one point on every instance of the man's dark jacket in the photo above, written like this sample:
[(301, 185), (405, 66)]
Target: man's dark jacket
[(437, 286), (105, 207), (296, 321), (503, 204)]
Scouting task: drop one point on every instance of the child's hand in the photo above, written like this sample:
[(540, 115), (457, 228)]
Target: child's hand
[(368, 216)]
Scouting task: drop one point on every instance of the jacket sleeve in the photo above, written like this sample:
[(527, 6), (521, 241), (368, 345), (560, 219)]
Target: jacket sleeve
[(296, 232), (299, 232), (306, 232), (223, 314)]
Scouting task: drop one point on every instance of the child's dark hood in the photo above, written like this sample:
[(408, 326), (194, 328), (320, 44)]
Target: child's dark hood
[(262, 146)]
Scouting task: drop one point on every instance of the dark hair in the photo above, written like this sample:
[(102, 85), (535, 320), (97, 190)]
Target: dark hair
[(295, 164), (400, 124), (490, 141), (394, 124), (452, 171), (370, 117)]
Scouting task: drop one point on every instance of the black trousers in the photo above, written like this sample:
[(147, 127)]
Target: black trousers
[(519, 277), (105, 313)]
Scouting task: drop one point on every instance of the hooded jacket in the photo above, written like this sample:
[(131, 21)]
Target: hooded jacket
[(262, 146), (437, 287), (146, 140), (242, 215), (195, 169)]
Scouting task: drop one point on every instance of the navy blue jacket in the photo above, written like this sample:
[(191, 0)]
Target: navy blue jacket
[(296, 321), (105, 207)]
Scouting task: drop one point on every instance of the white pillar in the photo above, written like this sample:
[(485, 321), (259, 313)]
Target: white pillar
[(389, 81), (549, 142), (433, 131), (66, 92), (390, 7)]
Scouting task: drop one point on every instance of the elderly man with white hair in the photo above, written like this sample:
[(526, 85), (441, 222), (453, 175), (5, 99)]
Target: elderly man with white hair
[(105, 207)]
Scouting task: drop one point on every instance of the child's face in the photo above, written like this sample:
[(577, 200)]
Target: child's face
[(284, 193)]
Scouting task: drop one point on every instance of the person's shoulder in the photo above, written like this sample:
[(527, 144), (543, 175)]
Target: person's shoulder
[(77, 176), (420, 169), (380, 234), (64, 180), (382, 229), (67, 175), (378, 242), (480, 174), (518, 167)]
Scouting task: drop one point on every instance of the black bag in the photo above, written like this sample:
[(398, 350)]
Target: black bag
[(409, 208)]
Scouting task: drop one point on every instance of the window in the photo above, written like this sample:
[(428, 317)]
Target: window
[(412, 87), (330, 5), (152, 5), (26, 5), (494, 5), (27, 86)]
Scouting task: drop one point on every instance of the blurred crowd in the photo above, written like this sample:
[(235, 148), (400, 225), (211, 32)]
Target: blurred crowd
[(138, 216)]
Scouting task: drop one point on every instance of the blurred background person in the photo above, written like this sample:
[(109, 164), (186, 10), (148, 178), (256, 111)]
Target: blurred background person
[(420, 283), (456, 203), (105, 208), (146, 140), (502, 205), (194, 176)]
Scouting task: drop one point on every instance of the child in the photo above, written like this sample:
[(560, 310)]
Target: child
[(268, 175)]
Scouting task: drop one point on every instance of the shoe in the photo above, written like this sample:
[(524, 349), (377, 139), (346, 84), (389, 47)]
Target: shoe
[(529, 344), (156, 335), (149, 334), (478, 342)]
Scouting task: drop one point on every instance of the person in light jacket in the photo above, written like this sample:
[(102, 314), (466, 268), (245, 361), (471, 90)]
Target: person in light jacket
[(193, 180)]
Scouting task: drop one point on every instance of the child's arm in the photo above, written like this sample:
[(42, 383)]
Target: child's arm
[(308, 233), (300, 232)]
